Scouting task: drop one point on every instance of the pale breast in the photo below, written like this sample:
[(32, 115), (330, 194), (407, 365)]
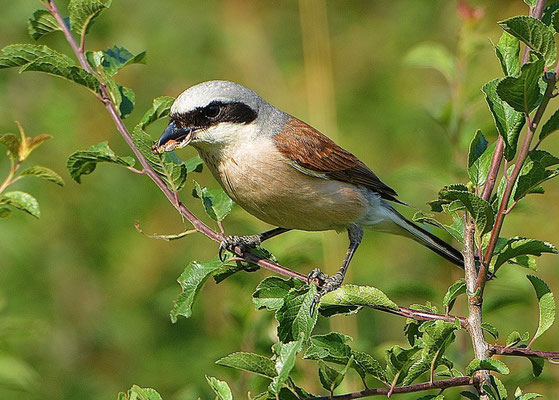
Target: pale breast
[(262, 181)]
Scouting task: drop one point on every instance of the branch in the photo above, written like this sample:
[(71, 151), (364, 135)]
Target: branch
[(523, 352), (511, 180), (180, 207), (424, 315), (442, 384)]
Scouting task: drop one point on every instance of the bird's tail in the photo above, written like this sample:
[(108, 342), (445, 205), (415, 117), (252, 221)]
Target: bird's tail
[(407, 228)]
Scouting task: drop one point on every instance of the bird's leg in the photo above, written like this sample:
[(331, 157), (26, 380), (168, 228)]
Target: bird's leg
[(248, 242), (330, 283)]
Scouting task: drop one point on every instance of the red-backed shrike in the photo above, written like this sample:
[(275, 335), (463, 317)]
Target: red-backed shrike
[(285, 172)]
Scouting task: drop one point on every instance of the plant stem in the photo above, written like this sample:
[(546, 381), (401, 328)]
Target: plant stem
[(480, 346), (511, 180), (181, 208), (493, 169), (523, 352), (442, 384)]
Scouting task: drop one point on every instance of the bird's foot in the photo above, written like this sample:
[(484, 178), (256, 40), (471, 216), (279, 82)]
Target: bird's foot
[(243, 242), (325, 283)]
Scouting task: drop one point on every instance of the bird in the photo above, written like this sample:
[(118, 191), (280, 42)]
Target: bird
[(286, 173)]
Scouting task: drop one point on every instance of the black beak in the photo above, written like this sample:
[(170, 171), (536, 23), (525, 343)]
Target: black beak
[(173, 133)]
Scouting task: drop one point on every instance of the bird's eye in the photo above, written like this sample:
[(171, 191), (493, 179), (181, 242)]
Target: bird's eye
[(212, 111)]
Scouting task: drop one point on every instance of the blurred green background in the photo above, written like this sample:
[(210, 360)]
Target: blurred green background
[(85, 298)]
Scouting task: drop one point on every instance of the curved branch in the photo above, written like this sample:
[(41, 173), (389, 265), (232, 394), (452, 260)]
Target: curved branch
[(148, 170), (442, 384)]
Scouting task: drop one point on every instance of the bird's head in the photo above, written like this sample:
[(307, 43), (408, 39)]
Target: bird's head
[(214, 113)]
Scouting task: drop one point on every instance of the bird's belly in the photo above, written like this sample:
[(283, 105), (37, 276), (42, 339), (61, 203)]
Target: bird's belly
[(275, 192)]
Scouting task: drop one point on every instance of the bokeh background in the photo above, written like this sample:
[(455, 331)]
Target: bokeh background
[(85, 298)]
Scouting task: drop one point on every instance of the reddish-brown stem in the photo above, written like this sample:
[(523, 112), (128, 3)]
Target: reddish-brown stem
[(148, 170), (493, 169), (442, 384), (510, 181), (523, 352)]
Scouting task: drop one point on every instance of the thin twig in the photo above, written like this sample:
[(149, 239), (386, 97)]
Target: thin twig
[(442, 384), (523, 352)]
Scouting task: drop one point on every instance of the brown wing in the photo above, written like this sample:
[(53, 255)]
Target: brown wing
[(314, 151)]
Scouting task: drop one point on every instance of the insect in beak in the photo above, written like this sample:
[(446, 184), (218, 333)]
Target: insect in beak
[(172, 138)]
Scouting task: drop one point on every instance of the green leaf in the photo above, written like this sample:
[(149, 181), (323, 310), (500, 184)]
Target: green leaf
[(535, 34), (546, 305), (127, 101), (44, 59), (534, 173), (138, 393), (431, 397), (329, 377), (478, 167), (5, 212), (489, 364), (515, 337), (499, 386), (455, 290), (167, 165), (215, 201), (22, 201), (160, 109), (44, 173), (365, 363), (548, 13), (523, 93), (551, 125), (271, 292), (191, 281), (398, 362), (194, 164), (295, 317), (481, 210), (285, 361), (518, 246), (432, 55), (555, 17), (531, 3), (351, 297), (41, 23), (84, 12), (84, 162), (12, 142), (469, 395), (436, 338), (171, 169), (508, 122), (331, 347), (456, 230), (487, 327), (116, 58), (250, 362), (537, 365), (507, 51), (17, 55), (528, 396), (220, 388)]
